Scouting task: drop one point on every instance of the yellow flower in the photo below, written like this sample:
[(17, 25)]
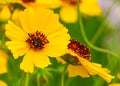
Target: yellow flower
[(39, 36), (115, 84), (3, 62), (78, 57), (2, 83), (68, 12)]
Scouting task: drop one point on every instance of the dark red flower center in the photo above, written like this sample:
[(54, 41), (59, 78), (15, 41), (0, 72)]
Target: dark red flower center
[(79, 49), (37, 40)]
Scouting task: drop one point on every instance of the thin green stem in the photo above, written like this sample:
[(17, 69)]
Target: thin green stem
[(62, 79), (101, 28), (85, 37), (27, 79), (63, 75), (21, 79), (38, 78)]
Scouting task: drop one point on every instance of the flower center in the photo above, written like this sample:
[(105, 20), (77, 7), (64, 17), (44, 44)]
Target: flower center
[(79, 49), (71, 2), (37, 40), (27, 1)]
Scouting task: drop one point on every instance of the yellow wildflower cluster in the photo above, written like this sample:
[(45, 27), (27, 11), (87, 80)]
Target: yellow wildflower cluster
[(35, 34)]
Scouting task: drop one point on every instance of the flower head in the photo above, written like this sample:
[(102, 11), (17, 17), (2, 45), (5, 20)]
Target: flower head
[(78, 58), (39, 36)]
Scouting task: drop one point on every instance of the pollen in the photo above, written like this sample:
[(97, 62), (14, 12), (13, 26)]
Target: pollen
[(27, 1), (37, 40), (80, 49)]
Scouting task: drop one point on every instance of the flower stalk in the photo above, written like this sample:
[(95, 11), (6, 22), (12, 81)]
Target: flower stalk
[(101, 28), (86, 39), (27, 79), (63, 75)]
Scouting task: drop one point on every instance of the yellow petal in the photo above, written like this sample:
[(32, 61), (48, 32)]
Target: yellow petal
[(43, 18), (3, 62), (3, 68), (49, 3), (27, 64), (90, 7), (41, 60), (115, 84), (77, 70), (13, 32), (118, 75), (18, 48), (27, 20), (52, 24), (69, 14), (3, 83), (5, 13), (57, 32), (3, 55), (57, 42), (95, 69), (15, 17)]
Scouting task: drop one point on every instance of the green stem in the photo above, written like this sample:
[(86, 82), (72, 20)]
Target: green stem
[(101, 28), (27, 79), (85, 37), (62, 79), (38, 78), (63, 75), (21, 79)]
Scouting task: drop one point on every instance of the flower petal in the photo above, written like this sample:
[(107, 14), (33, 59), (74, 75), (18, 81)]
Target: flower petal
[(3, 83), (51, 24), (48, 3), (69, 14), (43, 15), (90, 7), (18, 48), (13, 32), (41, 60), (57, 42), (3, 62), (77, 70), (27, 63), (27, 20), (3, 68), (115, 84), (95, 69)]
